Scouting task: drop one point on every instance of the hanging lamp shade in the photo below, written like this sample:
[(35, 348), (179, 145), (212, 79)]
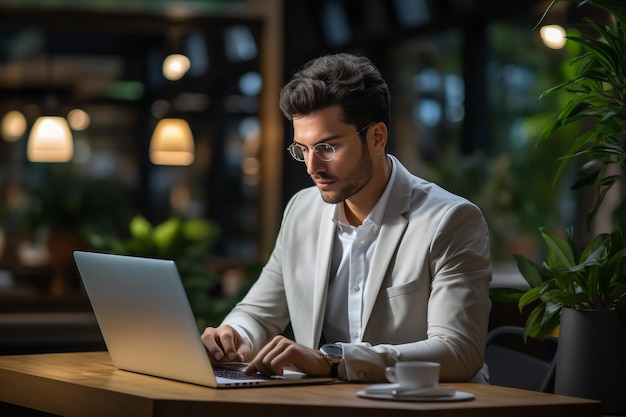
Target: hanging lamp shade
[(50, 140), (172, 143)]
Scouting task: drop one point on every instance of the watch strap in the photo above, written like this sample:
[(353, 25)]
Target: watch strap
[(334, 370)]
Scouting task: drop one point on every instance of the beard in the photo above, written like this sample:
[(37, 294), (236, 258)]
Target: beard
[(356, 180)]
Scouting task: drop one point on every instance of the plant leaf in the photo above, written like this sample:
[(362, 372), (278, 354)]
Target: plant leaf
[(560, 254), (529, 270)]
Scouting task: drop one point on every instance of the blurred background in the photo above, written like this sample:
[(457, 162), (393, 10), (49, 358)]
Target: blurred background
[(121, 75)]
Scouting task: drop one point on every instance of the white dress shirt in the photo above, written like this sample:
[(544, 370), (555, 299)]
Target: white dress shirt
[(353, 251)]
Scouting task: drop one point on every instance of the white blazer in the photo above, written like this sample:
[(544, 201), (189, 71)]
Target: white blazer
[(426, 296)]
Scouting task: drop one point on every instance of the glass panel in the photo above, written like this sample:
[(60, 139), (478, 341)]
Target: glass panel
[(504, 172)]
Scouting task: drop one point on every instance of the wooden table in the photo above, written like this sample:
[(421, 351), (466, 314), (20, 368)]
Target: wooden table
[(87, 384)]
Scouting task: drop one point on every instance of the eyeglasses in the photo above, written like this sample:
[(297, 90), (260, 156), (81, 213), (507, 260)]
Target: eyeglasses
[(323, 151)]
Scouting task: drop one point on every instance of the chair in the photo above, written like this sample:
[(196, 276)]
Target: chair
[(513, 363)]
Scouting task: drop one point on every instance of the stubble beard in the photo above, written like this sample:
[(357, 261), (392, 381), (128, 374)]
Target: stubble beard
[(357, 179)]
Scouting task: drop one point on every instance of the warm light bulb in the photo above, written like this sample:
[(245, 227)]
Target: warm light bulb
[(13, 126), (78, 119), (175, 66), (50, 140), (553, 36), (172, 143)]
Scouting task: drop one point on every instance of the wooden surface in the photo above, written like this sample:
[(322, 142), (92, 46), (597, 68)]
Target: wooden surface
[(87, 384)]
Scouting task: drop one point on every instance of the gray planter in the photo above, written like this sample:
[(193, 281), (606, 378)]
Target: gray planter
[(591, 357)]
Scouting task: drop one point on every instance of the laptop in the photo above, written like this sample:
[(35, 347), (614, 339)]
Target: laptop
[(148, 325)]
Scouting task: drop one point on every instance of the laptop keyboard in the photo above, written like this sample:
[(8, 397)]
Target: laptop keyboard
[(238, 374)]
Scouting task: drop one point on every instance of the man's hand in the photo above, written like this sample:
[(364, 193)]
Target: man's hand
[(225, 344), (281, 352)]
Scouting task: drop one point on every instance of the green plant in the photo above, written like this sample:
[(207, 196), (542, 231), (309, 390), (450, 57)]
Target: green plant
[(599, 96), (594, 277), (59, 198), (589, 279), (187, 242)]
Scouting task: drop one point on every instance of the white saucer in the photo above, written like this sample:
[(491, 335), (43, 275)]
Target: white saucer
[(389, 392)]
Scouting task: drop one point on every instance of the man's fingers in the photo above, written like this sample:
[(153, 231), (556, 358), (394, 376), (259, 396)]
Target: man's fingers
[(227, 341), (272, 358), (224, 343), (242, 353), (211, 342)]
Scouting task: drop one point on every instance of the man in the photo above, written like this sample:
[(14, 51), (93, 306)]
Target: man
[(384, 266)]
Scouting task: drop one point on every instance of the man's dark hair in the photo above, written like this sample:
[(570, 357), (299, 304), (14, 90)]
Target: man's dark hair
[(352, 82)]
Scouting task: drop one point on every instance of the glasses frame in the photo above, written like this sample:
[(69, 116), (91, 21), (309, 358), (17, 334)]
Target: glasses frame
[(291, 148)]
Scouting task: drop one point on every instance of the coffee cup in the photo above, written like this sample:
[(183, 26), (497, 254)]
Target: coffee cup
[(414, 375)]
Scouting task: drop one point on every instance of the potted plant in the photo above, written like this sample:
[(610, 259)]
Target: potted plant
[(583, 290)]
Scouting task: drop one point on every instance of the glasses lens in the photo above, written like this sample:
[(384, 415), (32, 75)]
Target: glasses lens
[(325, 151), (296, 152)]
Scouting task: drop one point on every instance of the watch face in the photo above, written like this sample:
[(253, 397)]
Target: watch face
[(333, 350)]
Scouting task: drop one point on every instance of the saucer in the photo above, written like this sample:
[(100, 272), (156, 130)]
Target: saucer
[(394, 392)]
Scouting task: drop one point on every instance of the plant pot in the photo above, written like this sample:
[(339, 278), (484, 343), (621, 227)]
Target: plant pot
[(591, 357)]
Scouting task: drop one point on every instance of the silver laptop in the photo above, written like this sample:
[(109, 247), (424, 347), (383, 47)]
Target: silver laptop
[(148, 325)]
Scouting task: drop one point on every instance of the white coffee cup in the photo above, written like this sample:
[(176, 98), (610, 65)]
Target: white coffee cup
[(414, 375)]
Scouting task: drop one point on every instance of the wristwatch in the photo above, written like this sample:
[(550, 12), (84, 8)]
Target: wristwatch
[(334, 355)]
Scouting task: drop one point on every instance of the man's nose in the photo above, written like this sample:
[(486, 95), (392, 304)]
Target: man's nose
[(312, 162)]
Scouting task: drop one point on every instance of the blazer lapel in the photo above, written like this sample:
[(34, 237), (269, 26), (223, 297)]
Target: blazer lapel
[(322, 270), (392, 229)]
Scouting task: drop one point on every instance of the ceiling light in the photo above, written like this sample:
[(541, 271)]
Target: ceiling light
[(78, 119), (553, 36), (172, 143), (13, 126), (50, 140), (175, 66)]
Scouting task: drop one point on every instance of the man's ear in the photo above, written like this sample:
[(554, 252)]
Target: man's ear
[(378, 133)]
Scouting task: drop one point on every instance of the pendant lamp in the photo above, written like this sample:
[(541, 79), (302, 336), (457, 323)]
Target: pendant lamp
[(172, 143), (50, 140)]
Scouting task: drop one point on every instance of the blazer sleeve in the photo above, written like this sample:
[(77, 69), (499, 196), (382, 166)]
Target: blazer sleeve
[(263, 312), (282, 292)]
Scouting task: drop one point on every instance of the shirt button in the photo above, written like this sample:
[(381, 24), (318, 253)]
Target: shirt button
[(356, 288), (355, 334)]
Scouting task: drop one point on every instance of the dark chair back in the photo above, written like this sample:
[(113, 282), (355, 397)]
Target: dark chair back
[(513, 363)]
